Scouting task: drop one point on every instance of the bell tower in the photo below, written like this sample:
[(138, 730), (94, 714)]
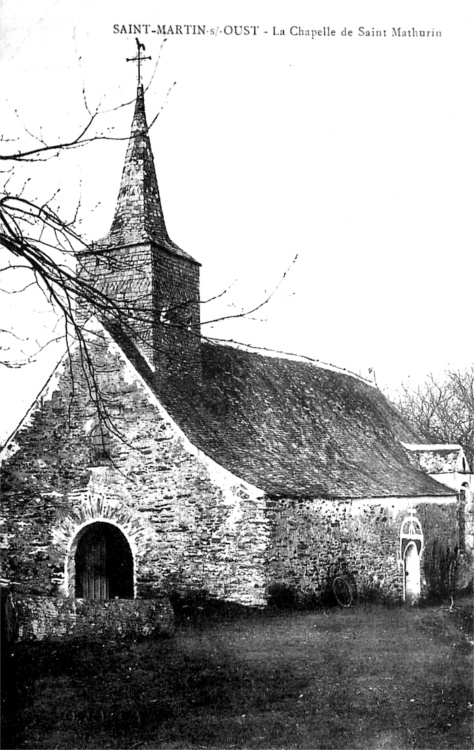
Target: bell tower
[(152, 285)]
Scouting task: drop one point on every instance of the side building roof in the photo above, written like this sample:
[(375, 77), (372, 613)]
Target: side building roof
[(439, 459)]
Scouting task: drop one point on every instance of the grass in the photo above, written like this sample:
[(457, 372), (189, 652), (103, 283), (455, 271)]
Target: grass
[(359, 678)]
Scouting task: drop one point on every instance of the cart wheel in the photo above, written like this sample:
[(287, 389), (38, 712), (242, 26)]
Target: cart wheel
[(343, 591)]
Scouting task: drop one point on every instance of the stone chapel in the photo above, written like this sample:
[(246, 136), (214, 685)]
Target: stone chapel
[(155, 463)]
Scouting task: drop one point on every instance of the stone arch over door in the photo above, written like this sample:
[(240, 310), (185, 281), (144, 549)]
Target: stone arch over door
[(101, 563)]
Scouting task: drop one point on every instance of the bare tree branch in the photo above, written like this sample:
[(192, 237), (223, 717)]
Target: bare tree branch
[(442, 409), (47, 251)]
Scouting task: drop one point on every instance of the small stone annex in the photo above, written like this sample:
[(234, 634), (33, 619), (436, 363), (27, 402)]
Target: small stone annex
[(155, 463)]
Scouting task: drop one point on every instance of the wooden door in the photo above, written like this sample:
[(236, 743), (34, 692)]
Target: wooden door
[(103, 564), (92, 581)]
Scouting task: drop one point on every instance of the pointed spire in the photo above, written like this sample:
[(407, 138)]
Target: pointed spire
[(138, 214)]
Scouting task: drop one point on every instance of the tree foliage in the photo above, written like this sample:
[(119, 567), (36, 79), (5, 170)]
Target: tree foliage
[(442, 408)]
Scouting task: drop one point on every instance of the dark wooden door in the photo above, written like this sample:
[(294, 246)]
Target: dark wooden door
[(104, 564)]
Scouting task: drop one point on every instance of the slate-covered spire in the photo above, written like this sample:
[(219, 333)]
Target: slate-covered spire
[(138, 214)]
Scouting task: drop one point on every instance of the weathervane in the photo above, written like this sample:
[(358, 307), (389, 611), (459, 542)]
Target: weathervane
[(138, 59)]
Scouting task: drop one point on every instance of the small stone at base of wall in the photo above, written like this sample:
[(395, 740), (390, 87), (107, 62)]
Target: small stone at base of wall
[(39, 618)]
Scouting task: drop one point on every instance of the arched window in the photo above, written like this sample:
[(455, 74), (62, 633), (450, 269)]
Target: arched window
[(411, 531), (100, 445), (165, 316), (103, 563)]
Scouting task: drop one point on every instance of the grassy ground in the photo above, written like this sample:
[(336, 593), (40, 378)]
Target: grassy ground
[(358, 678)]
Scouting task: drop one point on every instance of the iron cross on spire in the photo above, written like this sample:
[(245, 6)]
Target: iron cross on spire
[(138, 59)]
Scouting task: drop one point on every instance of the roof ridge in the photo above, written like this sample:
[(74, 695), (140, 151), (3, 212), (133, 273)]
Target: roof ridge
[(290, 356), (432, 446)]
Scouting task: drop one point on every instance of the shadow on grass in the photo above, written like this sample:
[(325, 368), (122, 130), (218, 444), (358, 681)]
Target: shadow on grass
[(135, 691), (330, 679)]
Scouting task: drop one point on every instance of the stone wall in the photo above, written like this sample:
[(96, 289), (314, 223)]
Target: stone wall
[(190, 524), (38, 618), (315, 540), (441, 559)]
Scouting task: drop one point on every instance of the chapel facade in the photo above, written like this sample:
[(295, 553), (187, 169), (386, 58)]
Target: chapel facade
[(159, 464)]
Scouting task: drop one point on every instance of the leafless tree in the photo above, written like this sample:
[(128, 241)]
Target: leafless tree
[(442, 408), (41, 245), (42, 248)]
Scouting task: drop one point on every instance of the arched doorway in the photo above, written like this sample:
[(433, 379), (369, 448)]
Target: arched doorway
[(103, 563), (411, 548), (412, 573)]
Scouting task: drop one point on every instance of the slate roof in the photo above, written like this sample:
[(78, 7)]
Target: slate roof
[(288, 427), (294, 429), (138, 213)]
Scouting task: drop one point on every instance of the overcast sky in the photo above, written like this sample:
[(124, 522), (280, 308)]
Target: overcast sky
[(354, 153)]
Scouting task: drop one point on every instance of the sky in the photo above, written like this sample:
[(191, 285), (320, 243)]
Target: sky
[(334, 170)]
